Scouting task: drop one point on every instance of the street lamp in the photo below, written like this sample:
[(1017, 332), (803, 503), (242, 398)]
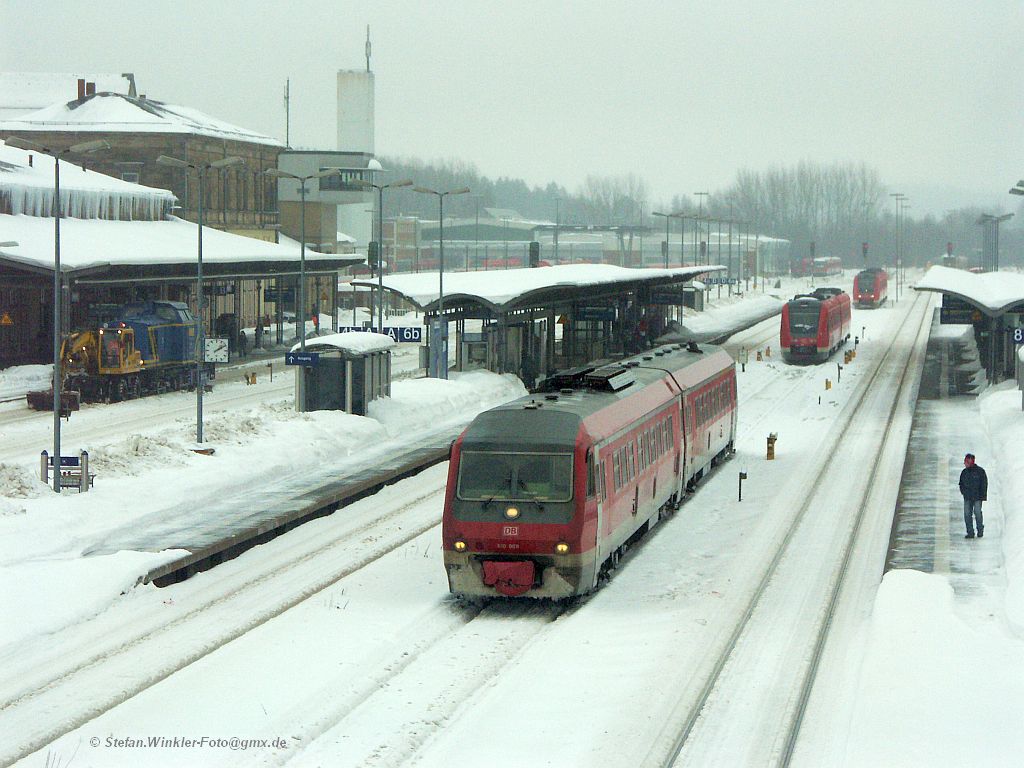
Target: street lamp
[(700, 211), (988, 218), (200, 169), (380, 240), (897, 197), (82, 148), (1018, 188), (440, 273)]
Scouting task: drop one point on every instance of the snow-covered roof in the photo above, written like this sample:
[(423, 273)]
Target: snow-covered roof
[(115, 112), (24, 92), (358, 342), (991, 292), (97, 243), (503, 287), (85, 194)]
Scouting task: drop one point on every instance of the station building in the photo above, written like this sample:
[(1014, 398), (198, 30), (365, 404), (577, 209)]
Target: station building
[(119, 244)]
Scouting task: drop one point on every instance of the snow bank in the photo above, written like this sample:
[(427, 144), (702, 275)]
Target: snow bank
[(16, 381), (1001, 410), (935, 690)]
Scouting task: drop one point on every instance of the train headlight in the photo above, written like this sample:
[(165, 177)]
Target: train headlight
[(459, 546), (562, 548), (512, 513)]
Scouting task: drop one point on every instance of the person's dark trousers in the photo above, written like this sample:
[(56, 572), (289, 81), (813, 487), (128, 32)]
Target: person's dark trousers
[(972, 513)]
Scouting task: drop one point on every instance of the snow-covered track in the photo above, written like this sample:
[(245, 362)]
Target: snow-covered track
[(49, 691), (713, 713), (390, 715)]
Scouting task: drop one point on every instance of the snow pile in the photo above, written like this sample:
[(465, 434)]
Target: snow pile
[(722, 319), (993, 291), (18, 483), (423, 404), (936, 690), (1003, 415), (357, 342), (16, 381), (136, 454)]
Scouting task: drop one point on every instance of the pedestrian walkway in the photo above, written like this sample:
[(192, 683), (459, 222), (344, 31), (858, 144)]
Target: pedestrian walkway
[(928, 527)]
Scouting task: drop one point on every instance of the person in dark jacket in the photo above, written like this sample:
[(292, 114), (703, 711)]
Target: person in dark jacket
[(974, 489)]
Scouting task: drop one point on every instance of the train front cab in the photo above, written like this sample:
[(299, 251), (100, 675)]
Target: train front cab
[(521, 515)]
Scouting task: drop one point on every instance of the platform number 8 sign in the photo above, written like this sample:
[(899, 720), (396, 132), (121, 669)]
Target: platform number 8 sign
[(1018, 335)]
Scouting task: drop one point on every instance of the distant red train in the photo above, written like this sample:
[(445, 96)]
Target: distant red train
[(546, 492), (870, 287), (814, 325), (827, 266)]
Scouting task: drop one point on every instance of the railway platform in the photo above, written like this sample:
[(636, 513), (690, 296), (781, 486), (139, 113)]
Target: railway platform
[(928, 527), (218, 527)]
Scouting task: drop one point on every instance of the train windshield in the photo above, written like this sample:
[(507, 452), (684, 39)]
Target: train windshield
[(803, 320), (485, 476), (865, 283)]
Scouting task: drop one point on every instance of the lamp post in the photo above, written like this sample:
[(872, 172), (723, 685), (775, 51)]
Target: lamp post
[(700, 211), (897, 197), (665, 216), (200, 169), (558, 224), (380, 241), (988, 218), (440, 273), (82, 148)]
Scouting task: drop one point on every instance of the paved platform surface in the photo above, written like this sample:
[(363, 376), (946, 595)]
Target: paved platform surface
[(928, 528)]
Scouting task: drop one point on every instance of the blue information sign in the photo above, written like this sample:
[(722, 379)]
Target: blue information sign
[(302, 358), (66, 461), (400, 333)]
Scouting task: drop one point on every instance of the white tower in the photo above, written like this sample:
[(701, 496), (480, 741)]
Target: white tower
[(355, 111)]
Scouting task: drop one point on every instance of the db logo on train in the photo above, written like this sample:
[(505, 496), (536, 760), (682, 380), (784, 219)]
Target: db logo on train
[(510, 530)]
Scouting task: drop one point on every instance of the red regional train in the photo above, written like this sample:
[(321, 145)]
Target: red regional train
[(546, 492), (870, 287), (827, 266), (814, 325)]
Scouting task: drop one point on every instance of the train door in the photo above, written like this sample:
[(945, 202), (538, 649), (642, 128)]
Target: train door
[(682, 458)]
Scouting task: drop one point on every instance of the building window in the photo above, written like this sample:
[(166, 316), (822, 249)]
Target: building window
[(342, 182)]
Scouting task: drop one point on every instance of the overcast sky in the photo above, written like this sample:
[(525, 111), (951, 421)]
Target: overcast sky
[(683, 94)]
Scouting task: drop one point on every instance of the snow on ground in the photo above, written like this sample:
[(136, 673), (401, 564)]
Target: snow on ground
[(933, 684), (16, 381), (43, 536)]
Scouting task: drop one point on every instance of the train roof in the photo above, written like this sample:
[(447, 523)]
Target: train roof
[(612, 393), (819, 294)]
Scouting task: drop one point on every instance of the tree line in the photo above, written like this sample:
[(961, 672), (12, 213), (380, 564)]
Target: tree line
[(838, 207)]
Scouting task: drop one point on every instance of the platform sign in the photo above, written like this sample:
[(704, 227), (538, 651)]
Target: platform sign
[(956, 311), (722, 281), (403, 334), (66, 461), (275, 295), (1018, 335), (311, 359), (216, 350), (595, 314), (665, 298)]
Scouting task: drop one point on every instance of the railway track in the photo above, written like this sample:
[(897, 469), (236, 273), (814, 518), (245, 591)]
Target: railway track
[(50, 691), (706, 721)]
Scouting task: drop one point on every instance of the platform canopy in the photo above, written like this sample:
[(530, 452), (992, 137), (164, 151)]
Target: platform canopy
[(994, 293), (514, 289)]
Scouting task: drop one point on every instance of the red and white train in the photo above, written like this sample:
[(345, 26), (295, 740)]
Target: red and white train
[(545, 493), (814, 325), (870, 287)]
